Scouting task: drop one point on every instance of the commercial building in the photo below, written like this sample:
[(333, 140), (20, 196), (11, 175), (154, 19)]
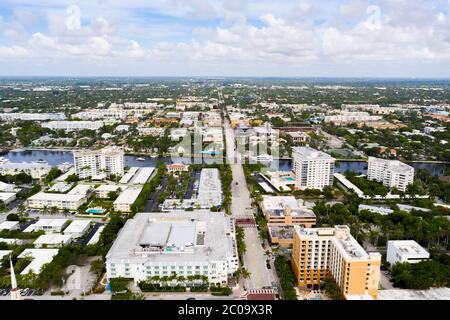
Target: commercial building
[(90, 163), (181, 243), (73, 125), (177, 167), (77, 228), (392, 173), (299, 137), (126, 199), (351, 117), (313, 169), (70, 201), (320, 252), (286, 210), (282, 235), (210, 188), (399, 251)]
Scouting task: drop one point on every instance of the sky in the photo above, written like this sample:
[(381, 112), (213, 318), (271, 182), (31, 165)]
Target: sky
[(260, 38)]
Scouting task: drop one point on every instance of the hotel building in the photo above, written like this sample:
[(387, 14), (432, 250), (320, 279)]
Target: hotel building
[(320, 252), (392, 173), (313, 169)]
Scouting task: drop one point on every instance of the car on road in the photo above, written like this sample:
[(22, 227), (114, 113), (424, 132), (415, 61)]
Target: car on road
[(191, 298)]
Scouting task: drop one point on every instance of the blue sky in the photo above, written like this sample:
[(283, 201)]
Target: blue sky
[(298, 38)]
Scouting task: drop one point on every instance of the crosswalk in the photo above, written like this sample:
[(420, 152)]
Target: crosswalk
[(256, 294)]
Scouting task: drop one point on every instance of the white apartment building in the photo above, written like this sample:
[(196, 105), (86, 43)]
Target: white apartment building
[(77, 228), (31, 116), (89, 163), (181, 243), (210, 188), (48, 225), (125, 200), (313, 169), (35, 170), (392, 173), (73, 125), (98, 114), (405, 251), (70, 201)]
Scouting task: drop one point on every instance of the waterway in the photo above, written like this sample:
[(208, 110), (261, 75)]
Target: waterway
[(55, 158)]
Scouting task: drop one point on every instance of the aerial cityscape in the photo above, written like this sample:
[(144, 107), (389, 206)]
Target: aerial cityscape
[(224, 181)]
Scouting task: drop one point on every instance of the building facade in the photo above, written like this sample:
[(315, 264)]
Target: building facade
[(391, 173), (322, 252), (89, 163), (177, 243), (313, 169)]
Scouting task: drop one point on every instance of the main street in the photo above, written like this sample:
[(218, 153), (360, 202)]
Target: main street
[(241, 207)]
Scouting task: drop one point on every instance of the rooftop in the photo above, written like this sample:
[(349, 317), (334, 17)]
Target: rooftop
[(40, 257), (308, 153), (285, 205), (408, 247), (174, 236)]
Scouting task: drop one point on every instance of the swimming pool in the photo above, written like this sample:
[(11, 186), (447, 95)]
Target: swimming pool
[(95, 211), (288, 179)]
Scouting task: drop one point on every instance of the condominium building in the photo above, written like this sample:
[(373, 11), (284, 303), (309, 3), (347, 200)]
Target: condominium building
[(351, 117), (286, 210), (392, 173), (70, 201), (35, 170), (73, 125), (313, 169), (176, 243), (210, 188), (31, 116), (127, 198), (322, 252), (89, 163)]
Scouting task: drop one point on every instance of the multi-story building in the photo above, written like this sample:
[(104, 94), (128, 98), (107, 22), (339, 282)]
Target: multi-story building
[(73, 125), (313, 169), (322, 252), (125, 201), (98, 114), (392, 173), (35, 170), (62, 201), (89, 163), (31, 116), (399, 251), (286, 210), (177, 243)]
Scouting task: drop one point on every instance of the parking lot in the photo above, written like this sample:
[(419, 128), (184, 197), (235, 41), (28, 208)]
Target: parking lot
[(23, 292)]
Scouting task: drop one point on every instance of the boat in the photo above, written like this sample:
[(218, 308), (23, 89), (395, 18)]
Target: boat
[(140, 159), (41, 161)]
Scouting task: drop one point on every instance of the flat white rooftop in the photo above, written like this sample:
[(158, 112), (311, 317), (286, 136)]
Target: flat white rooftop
[(308, 153), (40, 257), (77, 226), (408, 247), (9, 225), (404, 294), (210, 187), (53, 239), (142, 175), (173, 236), (129, 195), (277, 206)]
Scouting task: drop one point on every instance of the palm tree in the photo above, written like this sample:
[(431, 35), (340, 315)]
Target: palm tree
[(245, 273)]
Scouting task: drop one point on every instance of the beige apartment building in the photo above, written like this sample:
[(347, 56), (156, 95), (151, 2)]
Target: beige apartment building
[(320, 252)]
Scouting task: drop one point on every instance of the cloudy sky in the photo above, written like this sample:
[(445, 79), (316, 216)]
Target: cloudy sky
[(297, 38)]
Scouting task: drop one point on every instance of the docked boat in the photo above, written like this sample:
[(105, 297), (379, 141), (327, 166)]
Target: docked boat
[(140, 159), (41, 161)]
